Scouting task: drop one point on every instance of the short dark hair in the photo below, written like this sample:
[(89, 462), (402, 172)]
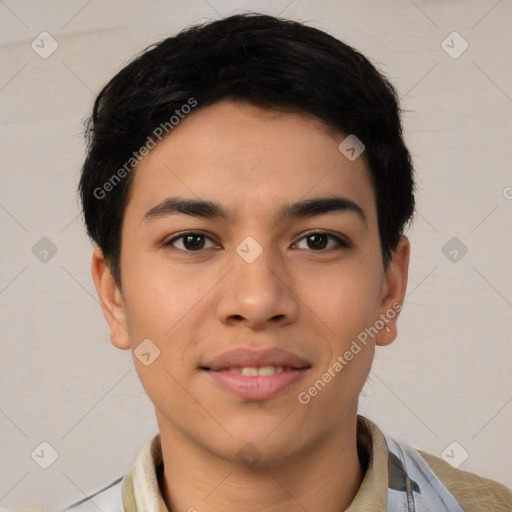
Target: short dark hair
[(263, 60)]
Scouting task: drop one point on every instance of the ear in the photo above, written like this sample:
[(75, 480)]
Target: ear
[(393, 292), (111, 300)]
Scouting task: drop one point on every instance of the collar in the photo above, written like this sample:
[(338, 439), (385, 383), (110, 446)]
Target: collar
[(141, 486)]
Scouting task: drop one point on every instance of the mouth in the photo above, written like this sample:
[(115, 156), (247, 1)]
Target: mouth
[(256, 376), (251, 371)]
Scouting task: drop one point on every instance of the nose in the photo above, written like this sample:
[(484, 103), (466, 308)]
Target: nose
[(258, 294)]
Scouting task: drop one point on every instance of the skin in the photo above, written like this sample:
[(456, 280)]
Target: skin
[(198, 304)]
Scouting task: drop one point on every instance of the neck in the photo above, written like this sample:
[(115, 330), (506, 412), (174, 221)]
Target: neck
[(324, 476)]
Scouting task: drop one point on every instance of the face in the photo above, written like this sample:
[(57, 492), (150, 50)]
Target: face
[(259, 270)]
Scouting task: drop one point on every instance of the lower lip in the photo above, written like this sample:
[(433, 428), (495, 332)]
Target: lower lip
[(259, 387)]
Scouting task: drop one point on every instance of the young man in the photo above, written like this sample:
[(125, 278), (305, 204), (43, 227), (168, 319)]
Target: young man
[(247, 186)]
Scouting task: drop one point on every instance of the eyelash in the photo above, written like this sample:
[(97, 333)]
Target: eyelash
[(342, 244)]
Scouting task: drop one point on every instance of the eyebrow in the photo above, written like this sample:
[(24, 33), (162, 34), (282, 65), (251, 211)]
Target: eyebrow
[(211, 210)]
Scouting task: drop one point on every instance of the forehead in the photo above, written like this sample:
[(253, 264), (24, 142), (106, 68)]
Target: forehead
[(254, 160)]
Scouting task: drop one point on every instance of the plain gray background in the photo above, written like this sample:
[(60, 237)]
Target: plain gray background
[(445, 379)]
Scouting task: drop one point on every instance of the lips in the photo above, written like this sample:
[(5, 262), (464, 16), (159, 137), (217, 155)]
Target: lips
[(256, 374), (249, 359)]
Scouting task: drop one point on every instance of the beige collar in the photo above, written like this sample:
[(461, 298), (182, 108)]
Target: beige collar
[(141, 491)]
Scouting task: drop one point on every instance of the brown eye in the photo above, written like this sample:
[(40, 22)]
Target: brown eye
[(193, 242), (190, 242), (318, 241)]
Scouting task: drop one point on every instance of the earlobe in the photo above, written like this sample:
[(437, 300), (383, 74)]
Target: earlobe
[(111, 300), (393, 292)]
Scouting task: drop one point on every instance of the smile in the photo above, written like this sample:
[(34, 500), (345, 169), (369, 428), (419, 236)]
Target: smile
[(252, 383)]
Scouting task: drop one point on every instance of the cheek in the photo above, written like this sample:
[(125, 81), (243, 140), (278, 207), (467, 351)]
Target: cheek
[(345, 297), (159, 296)]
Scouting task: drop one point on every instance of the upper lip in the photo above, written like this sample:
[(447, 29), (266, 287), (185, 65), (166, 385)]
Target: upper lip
[(251, 358)]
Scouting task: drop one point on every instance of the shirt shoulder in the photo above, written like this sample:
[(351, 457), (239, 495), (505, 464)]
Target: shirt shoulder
[(420, 481), (473, 492)]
